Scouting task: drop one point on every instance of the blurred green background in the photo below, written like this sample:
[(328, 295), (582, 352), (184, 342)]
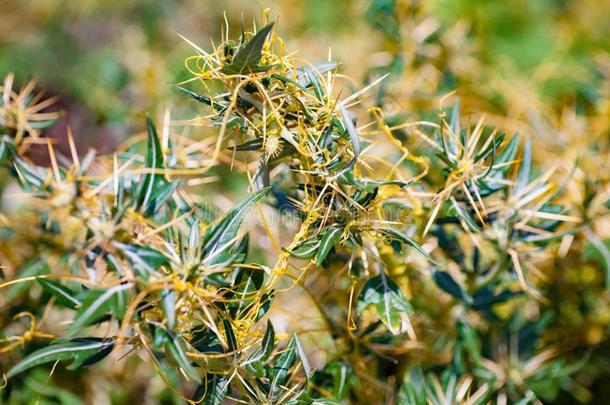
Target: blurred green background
[(111, 61)]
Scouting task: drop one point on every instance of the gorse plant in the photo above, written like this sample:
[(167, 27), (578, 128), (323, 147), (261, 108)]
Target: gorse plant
[(422, 246)]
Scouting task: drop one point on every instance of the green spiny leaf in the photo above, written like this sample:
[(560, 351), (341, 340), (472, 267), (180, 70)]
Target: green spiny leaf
[(153, 189), (389, 301), (330, 237), (463, 215), (176, 350), (247, 284), (221, 236), (353, 136), (97, 303), (214, 391), (80, 350), (144, 259), (413, 390), (343, 377), (200, 98), (404, 239), (281, 367), (249, 54), (255, 361), (523, 176), (168, 302), (62, 293), (307, 249)]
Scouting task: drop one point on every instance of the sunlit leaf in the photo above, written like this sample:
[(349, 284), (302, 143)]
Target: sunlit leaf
[(83, 352), (307, 249), (249, 54), (220, 237), (153, 189), (393, 234), (247, 284), (281, 367), (200, 98), (413, 389), (523, 176), (63, 294), (97, 304), (260, 355), (168, 303), (389, 302), (343, 378), (175, 348), (213, 391), (330, 237), (144, 259)]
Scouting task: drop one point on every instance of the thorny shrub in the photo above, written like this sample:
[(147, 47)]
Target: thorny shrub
[(422, 245)]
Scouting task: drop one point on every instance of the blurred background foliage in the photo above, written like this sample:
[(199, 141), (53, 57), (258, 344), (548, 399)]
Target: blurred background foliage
[(111, 61), (540, 67)]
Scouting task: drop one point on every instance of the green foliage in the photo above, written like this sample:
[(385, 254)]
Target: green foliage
[(82, 351), (438, 255), (389, 301)]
